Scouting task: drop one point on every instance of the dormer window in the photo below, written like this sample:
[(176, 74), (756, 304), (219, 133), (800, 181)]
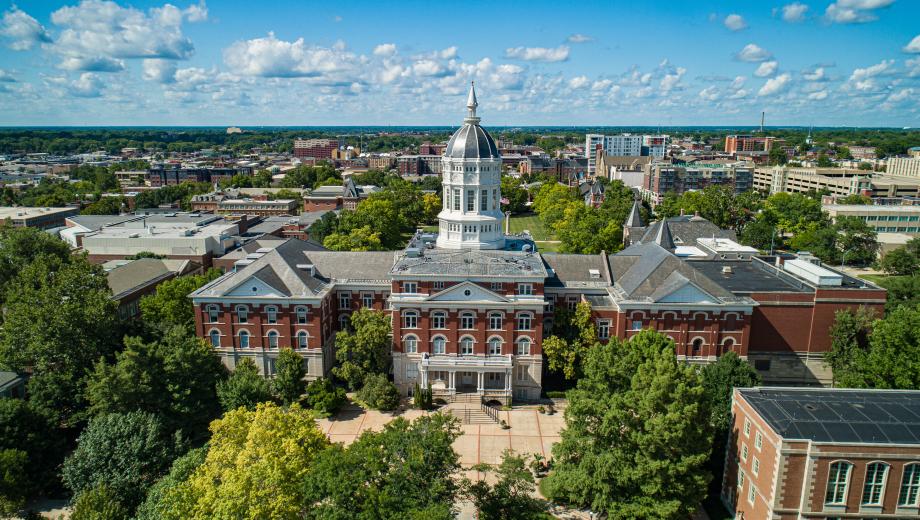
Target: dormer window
[(410, 287)]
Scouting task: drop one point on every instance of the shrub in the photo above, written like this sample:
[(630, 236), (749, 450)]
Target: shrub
[(555, 394), (324, 397), (98, 503), (422, 397), (379, 393)]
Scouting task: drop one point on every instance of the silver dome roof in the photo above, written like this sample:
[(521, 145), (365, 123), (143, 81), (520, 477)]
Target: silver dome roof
[(471, 141)]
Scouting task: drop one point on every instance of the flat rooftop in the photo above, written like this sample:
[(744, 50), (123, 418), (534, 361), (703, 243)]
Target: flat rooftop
[(747, 277), (471, 262), (871, 208), (164, 231), (20, 212), (839, 415)]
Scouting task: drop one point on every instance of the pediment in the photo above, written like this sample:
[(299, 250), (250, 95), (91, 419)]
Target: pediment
[(466, 292), (687, 293), (253, 286)]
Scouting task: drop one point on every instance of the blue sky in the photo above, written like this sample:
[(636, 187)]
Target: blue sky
[(236, 62)]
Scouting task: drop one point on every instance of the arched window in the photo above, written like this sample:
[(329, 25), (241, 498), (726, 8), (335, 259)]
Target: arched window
[(438, 320), (910, 485), (467, 321), (410, 319), (242, 313), (523, 347), (272, 339), (873, 489), (838, 479), (728, 344), (215, 338), (732, 321), (244, 339), (697, 346), (302, 339), (301, 315), (466, 346), (495, 321), (524, 321), (410, 344), (495, 346), (439, 345), (345, 322), (213, 313), (271, 314)]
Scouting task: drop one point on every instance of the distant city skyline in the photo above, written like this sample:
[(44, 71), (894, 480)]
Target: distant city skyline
[(537, 63)]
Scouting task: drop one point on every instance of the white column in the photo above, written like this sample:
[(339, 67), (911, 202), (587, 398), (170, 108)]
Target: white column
[(452, 380), (480, 378), (508, 379), (424, 378)]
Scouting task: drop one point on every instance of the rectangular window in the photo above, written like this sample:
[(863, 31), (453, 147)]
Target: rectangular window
[(496, 286), (484, 200), (837, 479), (755, 466), (744, 452), (438, 321), (495, 199), (410, 287), (752, 494), (456, 199), (740, 478), (345, 300), (521, 373), (495, 322), (603, 329), (411, 371), (213, 314), (524, 322), (525, 289), (636, 325), (758, 441), (242, 314), (410, 320), (876, 474), (367, 300), (747, 427), (271, 315), (301, 316), (438, 285), (910, 485), (470, 200), (467, 321)]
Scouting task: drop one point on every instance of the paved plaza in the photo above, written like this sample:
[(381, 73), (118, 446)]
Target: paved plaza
[(531, 432)]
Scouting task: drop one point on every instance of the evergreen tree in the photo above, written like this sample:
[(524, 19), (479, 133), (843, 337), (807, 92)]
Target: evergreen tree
[(289, 384)]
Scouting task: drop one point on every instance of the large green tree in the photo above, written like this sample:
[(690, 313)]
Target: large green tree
[(511, 496), (637, 433), (170, 306), (884, 353), (363, 350), (574, 334), (407, 470), (38, 440), (289, 384), (244, 388), (174, 378), (19, 247), (156, 504), (127, 453), (900, 262)]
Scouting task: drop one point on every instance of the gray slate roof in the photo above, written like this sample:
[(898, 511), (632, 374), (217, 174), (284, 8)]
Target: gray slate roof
[(649, 272), (141, 272), (471, 262), (574, 270), (839, 415), (686, 229)]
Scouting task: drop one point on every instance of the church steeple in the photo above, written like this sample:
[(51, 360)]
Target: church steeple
[(471, 105)]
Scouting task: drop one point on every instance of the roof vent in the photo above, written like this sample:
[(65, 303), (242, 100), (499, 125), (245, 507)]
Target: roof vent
[(310, 268), (413, 252), (594, 273), (726, 269)]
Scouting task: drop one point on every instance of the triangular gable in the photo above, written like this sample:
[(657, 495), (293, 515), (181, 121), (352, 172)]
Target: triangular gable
[(253, 286), (687, 293), (466, 292)]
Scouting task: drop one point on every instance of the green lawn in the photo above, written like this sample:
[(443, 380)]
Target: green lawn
[(532, 223), (880, 279)]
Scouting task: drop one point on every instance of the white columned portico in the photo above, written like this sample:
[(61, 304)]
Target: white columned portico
[(480, 382)]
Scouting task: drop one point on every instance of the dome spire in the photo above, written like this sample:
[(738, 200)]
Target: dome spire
[(471, 104)]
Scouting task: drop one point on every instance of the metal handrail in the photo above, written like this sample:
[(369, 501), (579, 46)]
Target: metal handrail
[(490, 411)]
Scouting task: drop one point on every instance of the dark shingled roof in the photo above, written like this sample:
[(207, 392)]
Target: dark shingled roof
[(685, 229), (569, 269), (839, 415)]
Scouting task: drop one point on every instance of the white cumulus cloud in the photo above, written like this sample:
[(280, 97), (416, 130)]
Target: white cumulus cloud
[(864, 79), (854, 11), (548, 54), (273, 58), (579, 38), (738, 82), (775, 85), (579, 82), (818, 96), (672, 81), (753, 53), (914, 45), (794, 12), (735, 22), (88, 85), (815, 75), (22, 31), (161, 71), (766, 69), (385, 49), (710, 93)]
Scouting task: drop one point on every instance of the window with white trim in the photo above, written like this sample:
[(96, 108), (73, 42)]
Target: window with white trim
[(838, 478), (467, 321), (439, 345), (752, 494), (755, 466), (910, 485), (345, 300), (484, 200), (410, 287), (213, 313), (876, 474), (410, 319), (740, 478), (495, 347), (242, 314), (410, 344), (438, 320), (495, 286), (272, 339), (215, 338), (470, 200), (525, 289), (521, 373), (271, 315), (301, 315), (495, 321), (367, 300), (744, 452), (636, 325), (244, 339), (747, 427), (411, 371), (523, 347), (524, 321), (456, 204), (302, 339), (345, 322), (758, 440), (437, 285), (466, 346), (603, 329)]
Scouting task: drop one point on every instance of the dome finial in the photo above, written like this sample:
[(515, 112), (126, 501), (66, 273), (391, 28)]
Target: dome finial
[(471, 102)]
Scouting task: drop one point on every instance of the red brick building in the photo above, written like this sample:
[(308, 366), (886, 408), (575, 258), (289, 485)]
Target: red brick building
[(316, 148), (805, 453)]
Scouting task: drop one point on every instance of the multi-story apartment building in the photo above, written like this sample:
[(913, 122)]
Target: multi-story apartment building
[(411, 165), (862, 152), (834, 181), (655, 146), (172, 174), (748, 143), (904, 166), (381, 162), (820, 454), (231, 203), (347, 196), (662, 178), (470, 306), (567, 171), (316, 148), (623, 144)]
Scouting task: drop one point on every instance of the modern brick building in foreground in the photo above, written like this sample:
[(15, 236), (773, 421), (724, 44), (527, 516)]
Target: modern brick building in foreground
[(823, 454), (470, 306)]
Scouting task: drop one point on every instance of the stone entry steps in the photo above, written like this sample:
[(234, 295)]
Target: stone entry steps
[(469, 414)]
